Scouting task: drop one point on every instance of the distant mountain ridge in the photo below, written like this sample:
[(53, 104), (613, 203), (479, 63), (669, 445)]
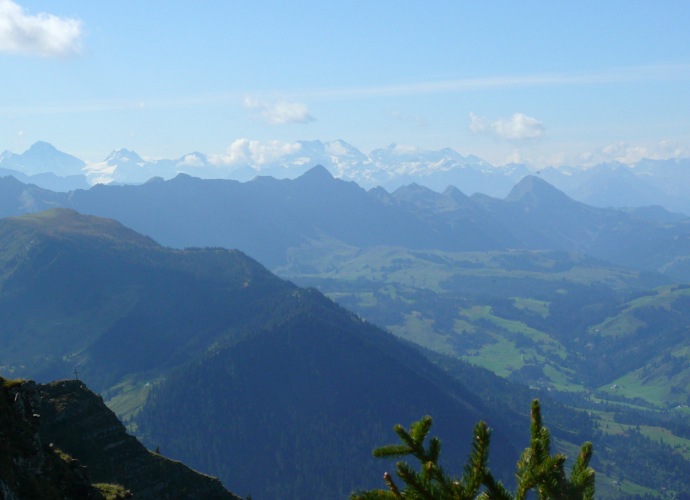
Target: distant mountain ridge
[(278, 221), (42, 157), (42, 164), (646, 182)]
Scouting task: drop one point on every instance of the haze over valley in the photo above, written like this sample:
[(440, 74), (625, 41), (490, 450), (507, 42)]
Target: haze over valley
[(578, 305), (246, 248)]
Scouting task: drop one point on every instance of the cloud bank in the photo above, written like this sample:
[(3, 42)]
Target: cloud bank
[(279, 113), (518, 127), (248, 152), (43, 34), (629, 154)]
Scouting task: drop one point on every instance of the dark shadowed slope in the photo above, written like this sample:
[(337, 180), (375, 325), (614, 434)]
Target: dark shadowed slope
[(292, 411), (60, 441)]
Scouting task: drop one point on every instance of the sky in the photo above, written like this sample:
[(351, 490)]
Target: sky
[(546, 83)]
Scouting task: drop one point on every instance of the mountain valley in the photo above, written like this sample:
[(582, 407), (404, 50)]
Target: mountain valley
[(234, 343), (582, 307)]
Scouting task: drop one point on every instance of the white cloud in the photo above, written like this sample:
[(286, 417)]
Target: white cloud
[(518, 127), (279, 113), (515, 157), (42, 34), (256, 153), (627, 153), (670, 149), (191, 160), (624, 152)]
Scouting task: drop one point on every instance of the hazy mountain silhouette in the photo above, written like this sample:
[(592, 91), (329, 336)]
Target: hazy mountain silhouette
[(272, 219), (612, 184)]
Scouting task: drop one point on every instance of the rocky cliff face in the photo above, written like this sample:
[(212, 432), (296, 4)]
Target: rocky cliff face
[(59, 440), (76, 420), (30, 468)]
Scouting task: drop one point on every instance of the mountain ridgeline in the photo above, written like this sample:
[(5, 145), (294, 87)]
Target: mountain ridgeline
[(93, 294), (647, 182), (276, 221)]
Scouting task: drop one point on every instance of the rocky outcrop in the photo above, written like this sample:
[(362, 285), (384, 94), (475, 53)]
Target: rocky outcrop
[(29, 468), (77, 421), (59, 440)]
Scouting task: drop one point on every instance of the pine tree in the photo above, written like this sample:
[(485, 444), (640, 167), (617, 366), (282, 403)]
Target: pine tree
[(537, 469)]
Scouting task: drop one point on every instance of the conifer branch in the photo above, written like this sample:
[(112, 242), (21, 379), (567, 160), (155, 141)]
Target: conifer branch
[(537, 469)]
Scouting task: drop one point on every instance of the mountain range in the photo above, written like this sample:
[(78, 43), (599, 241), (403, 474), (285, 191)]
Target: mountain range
[(584, 304), (648, 182), (282, 222), (273, 388)]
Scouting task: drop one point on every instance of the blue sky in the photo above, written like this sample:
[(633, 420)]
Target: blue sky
[(542, 82)]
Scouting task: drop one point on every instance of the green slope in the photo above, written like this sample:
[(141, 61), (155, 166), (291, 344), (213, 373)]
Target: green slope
[(653, 331), (87, 293), (523, 314)]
